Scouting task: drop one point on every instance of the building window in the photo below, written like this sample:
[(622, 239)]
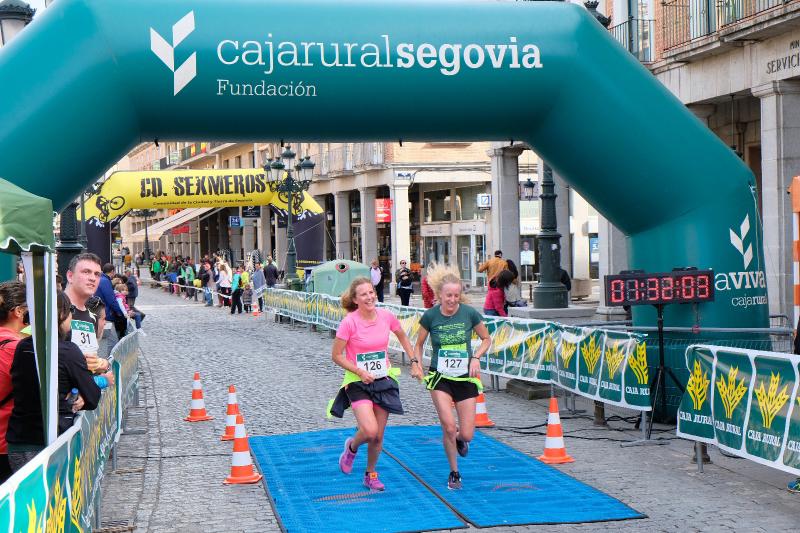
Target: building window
[(238, 161), (437, 206), (467, 203)]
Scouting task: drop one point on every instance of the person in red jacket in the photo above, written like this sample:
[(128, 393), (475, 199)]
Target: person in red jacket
[(494, 305), (13, 317), (427, 294)]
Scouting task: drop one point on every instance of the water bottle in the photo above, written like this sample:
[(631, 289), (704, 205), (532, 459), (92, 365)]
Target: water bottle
[(71, 397)]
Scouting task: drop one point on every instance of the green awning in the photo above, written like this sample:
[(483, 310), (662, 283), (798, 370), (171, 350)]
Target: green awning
[(26, 220)]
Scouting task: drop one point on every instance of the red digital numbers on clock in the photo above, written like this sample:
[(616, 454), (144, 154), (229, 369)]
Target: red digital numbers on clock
[(678, 286)]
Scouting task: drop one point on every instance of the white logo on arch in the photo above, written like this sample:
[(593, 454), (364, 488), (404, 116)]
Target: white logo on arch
[(166, 52), (737, 240)]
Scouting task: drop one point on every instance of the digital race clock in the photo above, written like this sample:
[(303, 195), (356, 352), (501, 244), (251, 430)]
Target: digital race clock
[(679, 286)]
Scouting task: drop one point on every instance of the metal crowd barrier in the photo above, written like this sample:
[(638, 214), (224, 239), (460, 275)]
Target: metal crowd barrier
[(60, 489)]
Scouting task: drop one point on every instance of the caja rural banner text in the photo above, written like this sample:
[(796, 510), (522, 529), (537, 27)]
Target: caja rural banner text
[(745, 402), (179, 189)]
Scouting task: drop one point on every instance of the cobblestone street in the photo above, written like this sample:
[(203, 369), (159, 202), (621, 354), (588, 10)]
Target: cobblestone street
[(169, 478)]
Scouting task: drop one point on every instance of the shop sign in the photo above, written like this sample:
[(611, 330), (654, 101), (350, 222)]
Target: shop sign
[(383, 210), (471, 227), (251, 211), (435, 230), (484, 201), (183, 228), (235, 222)]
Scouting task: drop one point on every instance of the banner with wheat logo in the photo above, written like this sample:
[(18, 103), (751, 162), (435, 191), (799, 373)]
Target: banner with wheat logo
[(745, 402), (602, 365)]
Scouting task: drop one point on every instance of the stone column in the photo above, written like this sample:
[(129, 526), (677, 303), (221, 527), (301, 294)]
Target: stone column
[(342, 218), (265, 233), (505, 200), (281, 247), (222, 229), (401, 226), (613, 259), (326, 242), (369, 230), (780, 161), (248, 234)]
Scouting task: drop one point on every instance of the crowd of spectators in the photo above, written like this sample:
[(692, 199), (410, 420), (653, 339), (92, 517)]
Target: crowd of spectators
[(93, 294)]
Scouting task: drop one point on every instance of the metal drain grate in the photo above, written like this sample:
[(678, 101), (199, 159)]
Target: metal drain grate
[(115, 526)]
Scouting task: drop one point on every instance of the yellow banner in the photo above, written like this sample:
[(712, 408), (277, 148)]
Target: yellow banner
[(180, 189)]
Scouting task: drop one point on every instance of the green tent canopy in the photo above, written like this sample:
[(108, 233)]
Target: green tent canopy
[(26, 220), (26, 229)]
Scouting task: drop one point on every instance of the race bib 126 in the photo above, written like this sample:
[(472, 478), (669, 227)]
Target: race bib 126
[(375, 363)]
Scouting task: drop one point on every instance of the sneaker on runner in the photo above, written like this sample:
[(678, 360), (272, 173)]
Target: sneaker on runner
[(794, 486), (462, 447), (454, 481), (347, 457), (372, 482)]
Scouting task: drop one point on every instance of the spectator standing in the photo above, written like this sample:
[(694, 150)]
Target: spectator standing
[(405, 287), (188, 276), (114, 311), (511, 289), (121, 294), (493, 266), (494, 305), (236, 295), (83, 276), (13, 317), (25, 433), (376, 276), (247, 298), (271, 273), (224, 284), (206, 278), (259, 283), (133, 287)]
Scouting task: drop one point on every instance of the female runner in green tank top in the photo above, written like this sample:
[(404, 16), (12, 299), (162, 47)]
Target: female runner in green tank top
[(454, 375)]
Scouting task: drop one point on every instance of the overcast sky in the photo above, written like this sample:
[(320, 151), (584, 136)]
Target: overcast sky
[(38, 5)]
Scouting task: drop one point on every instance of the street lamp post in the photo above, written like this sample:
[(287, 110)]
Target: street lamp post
[(290, 190), (145, 213), (549, 293)]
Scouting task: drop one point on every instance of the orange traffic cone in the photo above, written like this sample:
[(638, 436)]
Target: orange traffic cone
[(242, 471), (230, 415), (482, 419), (197, 409), (554, 450), (256, 312)]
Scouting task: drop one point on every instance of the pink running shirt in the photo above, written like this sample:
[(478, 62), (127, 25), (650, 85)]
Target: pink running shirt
[(363, 336)]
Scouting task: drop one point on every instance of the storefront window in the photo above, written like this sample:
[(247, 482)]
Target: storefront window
[(467, 203), (437, 206)]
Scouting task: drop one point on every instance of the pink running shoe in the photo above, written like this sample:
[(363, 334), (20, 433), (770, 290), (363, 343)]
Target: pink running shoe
[(372, 482), (347, 457)]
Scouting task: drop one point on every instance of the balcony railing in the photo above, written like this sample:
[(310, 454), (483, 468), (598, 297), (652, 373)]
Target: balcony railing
[(687, 20), (340, 160), (367, 154), (636, 35)]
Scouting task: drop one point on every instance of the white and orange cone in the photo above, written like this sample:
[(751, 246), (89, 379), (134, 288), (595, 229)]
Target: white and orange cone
[(197, 409), (230, 415), (256, 312), (554, 450), (482, 419), (242, 471)]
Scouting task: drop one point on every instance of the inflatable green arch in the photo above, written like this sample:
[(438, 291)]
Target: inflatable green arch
[(90, 78)]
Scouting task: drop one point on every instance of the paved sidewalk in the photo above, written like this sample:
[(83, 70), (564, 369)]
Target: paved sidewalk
[(169, 479)]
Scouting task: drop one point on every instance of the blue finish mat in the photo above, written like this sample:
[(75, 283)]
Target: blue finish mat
[(501, 486), (310, 493)]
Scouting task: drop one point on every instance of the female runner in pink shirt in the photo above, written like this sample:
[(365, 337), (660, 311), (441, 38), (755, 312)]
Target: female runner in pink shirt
[(370, 384)]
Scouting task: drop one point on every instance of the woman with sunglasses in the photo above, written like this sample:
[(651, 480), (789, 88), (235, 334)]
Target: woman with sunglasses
[(13, 318), (404, 282)]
